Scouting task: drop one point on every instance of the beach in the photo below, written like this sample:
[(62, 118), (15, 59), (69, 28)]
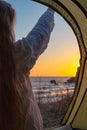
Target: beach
[(53, 95)]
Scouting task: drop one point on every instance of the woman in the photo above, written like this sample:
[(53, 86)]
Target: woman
[(18, 108)]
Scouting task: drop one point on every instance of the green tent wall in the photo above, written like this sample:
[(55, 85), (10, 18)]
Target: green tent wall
[(75, 13)]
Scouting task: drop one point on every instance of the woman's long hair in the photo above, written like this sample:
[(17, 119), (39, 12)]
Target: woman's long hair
[(11, 116)]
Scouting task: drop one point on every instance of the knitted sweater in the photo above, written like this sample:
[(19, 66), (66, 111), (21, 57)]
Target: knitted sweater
[(27, 51)]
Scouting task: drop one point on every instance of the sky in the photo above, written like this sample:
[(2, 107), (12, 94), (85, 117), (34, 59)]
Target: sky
[(61, 58)]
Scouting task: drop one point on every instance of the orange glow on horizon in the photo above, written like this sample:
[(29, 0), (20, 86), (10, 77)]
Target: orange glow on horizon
[(57, 67)]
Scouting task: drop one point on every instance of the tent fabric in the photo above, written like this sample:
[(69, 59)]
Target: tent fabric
[(75, 14), (65, 127)]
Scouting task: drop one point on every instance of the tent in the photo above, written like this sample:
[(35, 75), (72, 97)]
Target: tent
[(75, 13)]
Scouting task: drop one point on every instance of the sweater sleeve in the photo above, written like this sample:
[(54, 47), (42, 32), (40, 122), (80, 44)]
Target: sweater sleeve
[(37, 40)]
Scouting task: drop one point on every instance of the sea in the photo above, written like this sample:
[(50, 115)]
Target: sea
[(50, 89)]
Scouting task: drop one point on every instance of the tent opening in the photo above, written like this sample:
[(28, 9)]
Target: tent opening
[(75, 13), (54, 91)]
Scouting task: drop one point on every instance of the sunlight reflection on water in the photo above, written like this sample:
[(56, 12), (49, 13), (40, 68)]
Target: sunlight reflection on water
[(44, 90)]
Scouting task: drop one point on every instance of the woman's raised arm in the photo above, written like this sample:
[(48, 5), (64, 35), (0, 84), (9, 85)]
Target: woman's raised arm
[(37, 40)]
